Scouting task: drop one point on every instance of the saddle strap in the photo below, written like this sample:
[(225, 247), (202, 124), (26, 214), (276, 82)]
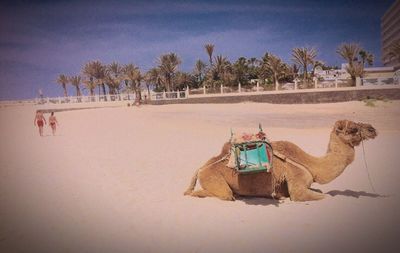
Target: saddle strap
[(292, 162)]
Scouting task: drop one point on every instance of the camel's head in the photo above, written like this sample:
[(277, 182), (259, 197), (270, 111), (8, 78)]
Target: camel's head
[(353, 133)]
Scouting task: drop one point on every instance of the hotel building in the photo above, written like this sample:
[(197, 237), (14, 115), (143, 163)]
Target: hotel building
[(390, 32)]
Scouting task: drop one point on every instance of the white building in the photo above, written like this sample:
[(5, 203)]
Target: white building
[(332, 74)]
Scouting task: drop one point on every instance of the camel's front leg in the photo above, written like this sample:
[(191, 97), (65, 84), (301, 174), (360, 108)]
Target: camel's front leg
[(299, 182)]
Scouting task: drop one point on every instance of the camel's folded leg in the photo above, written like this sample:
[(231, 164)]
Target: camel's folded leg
[(200, 194), (306, 195), (214, 183), (298, 182)]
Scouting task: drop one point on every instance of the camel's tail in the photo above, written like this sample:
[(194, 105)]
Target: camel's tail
[(225, 152), (210, 162), (192, 184)]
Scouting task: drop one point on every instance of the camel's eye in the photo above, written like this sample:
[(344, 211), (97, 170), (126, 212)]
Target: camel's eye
[(353, 130)]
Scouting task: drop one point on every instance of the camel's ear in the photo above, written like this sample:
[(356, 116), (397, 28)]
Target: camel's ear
[(340, 126)]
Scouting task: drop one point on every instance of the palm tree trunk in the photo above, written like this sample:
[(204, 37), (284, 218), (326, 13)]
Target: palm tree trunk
[(276, 81), (138, 96), (168, 83), (78, 93), (65, 90), (353, 80), (92, 94), (103, 87)]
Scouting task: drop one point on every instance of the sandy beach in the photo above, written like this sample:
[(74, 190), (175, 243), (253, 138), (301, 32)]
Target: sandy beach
[(112, 180)]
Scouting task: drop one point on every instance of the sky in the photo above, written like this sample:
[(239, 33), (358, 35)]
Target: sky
[(41, 39)]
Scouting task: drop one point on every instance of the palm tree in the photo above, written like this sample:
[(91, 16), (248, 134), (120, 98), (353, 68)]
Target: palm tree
[(303, 57), (349, 52), (63, 80), (241, 70), (252, 61), (90, 85), (222, 68), (100, 74), (356, 70), (133, 77), (253, 68), (114, 77), (153, 76), (96, 72), (168, 65), (183, 79), (76, 81), (366, 57), (209, 49), (264, 71), (394, 51), (88, 72), (277, 67), (294, 70), (199, 71), (221, 73)]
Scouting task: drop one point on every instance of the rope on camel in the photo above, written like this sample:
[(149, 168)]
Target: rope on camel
[(366, 167)]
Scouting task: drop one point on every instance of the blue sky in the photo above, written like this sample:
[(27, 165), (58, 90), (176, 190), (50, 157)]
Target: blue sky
[(41, 39)]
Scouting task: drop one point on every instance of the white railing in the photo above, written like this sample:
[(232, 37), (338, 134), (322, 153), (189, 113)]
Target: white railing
[(17, 102), (113, 98), (380, 81), (173, 95), (86, 99), (297, 85), (202, 92)]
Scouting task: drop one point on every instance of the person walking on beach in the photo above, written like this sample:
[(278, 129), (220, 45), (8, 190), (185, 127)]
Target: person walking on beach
[(53, 122), (39, 121)]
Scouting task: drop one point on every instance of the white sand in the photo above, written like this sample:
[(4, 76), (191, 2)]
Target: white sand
[(112, 180)]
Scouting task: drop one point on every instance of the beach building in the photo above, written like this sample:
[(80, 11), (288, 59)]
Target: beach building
[(379, 72), (332, 74), (390, 32), (371, 76)]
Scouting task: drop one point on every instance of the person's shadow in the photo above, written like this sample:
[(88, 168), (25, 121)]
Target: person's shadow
[(355, 194)]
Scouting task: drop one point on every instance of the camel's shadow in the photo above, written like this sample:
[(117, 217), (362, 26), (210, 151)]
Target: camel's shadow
[(258, 201), (355, 194), (348, 193)]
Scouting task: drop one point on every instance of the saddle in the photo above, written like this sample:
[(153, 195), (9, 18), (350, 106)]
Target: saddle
[(250, 152)]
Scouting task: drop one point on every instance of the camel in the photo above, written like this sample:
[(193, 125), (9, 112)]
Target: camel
[(293, 170)]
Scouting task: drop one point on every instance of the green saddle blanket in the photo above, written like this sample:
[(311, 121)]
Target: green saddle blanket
[(254, 157)]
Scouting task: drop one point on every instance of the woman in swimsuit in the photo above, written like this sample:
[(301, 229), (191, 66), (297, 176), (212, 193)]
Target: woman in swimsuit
[(53, 122), (39, 121)]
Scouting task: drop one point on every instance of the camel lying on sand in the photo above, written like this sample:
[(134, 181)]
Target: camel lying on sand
[(293, 169)]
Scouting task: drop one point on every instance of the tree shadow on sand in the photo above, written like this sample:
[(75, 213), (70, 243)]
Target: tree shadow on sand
[(258, 201), (355, 194)]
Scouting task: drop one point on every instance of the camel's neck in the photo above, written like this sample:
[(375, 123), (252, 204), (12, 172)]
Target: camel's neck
[(330, 166)]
